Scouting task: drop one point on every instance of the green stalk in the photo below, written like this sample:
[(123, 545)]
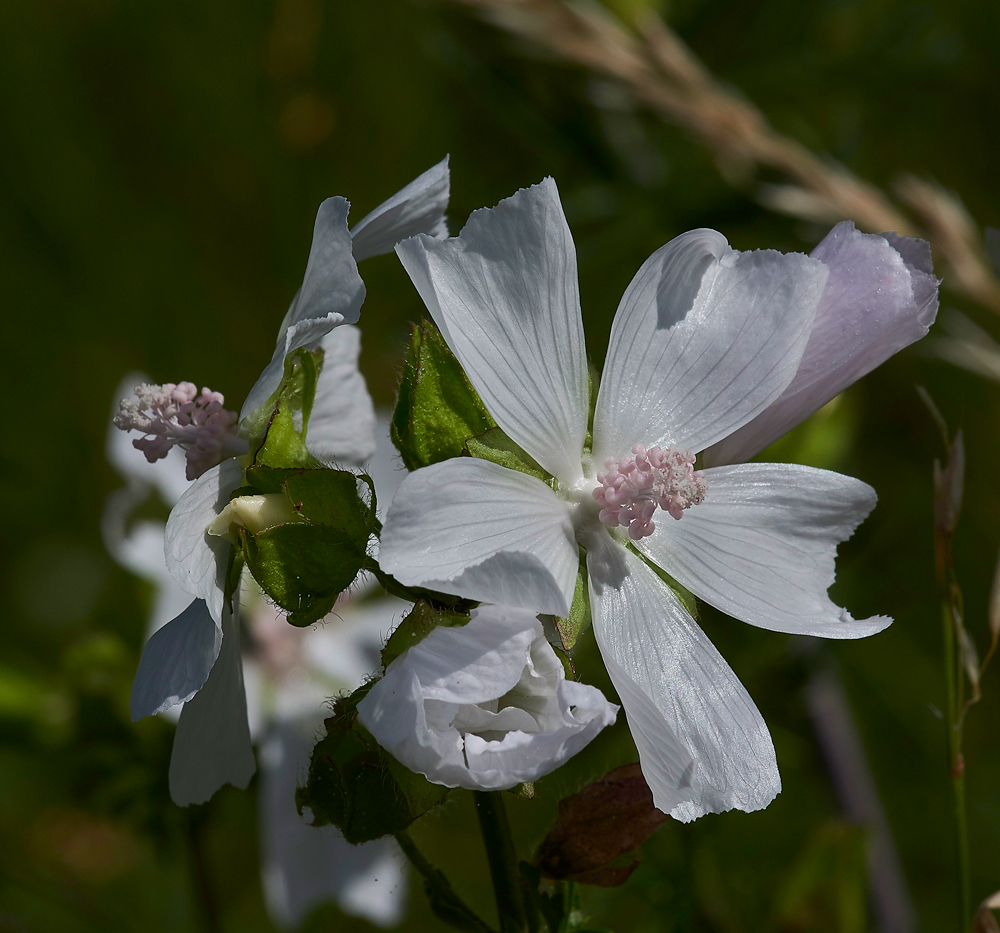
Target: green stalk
[(445, 903), (502, 858)]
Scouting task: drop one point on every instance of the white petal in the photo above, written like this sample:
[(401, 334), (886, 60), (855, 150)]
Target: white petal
[(305, 866), (176, 661), (704, 339), (414, 709), (420, 207), (762, 546), (212, 742), (342, 423), (505, 295), (476, 529), (875, 302), (676, 688), (197, 560), (331, 293)]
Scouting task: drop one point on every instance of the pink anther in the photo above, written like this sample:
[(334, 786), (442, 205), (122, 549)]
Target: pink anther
[(631, 488), (176, 414)]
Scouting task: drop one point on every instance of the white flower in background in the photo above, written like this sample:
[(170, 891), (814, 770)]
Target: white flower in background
[(706, 340), (290, 675), (485, 705), (195, 659)]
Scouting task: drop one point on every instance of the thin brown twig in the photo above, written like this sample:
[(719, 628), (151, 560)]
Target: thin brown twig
[(662, 73)]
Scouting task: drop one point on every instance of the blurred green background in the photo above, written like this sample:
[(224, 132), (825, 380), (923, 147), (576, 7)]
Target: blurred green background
[(161, 166)]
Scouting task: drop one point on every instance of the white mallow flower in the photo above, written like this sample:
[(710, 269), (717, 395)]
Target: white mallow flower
[(289, 675), (485, 706), (195, 659), (706, 340)]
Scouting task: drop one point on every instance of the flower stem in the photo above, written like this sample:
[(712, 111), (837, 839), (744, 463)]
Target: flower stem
[(445, 903), (503, 861)]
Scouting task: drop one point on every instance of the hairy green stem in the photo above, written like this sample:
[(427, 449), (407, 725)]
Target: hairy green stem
[(445, 903), (502, 858)]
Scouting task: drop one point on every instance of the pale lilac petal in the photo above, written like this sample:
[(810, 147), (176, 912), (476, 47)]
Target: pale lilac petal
[(476, 529), (431, 709), (704, 339), (194, 558), (762, 546), (703, 746), (305, 866), (880, 297), (420, 207), (176, 661), (505, 295), (342, 423), (331, 293), (212, 743)]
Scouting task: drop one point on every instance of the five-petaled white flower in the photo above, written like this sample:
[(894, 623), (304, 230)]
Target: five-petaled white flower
[(212, 744), (711, 350), (485, 706)]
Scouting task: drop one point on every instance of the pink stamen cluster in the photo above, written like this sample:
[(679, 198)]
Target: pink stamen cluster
[(631, 488), (178, 415)]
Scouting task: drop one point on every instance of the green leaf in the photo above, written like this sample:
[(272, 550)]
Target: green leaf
[(359, 787), (281, 436), (421, 621), (437, 409), (494, 445), (580, 618)]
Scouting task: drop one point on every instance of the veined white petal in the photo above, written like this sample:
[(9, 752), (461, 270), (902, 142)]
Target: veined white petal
[(176, 661), (331, 293), (212, 743), (762, 545), (704, 339), (484, 706), (504, 293), (195, 559), (703, 746), (876, 301), (342, 423), (420, 207), (477, 529), (305, 866)]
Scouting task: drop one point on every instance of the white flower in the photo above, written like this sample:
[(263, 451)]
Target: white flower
[(195, 659), (289, 674), (706, 339), (485, 706)]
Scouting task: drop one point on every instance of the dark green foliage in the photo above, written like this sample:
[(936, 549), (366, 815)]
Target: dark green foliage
[(437, 410)]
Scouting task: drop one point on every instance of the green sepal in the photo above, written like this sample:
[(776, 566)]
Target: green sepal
[(359, 787), (275, 439), (580, 618), (437, 409), (421, 621), (494, 445), (304, 565), (593, 385)]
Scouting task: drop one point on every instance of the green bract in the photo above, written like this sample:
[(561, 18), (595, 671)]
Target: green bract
[(420, 622), (357, 786), (437, 409), (304, 565)]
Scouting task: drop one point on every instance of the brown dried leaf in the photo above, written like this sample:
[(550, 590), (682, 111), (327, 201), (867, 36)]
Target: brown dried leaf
[(598, 827)]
